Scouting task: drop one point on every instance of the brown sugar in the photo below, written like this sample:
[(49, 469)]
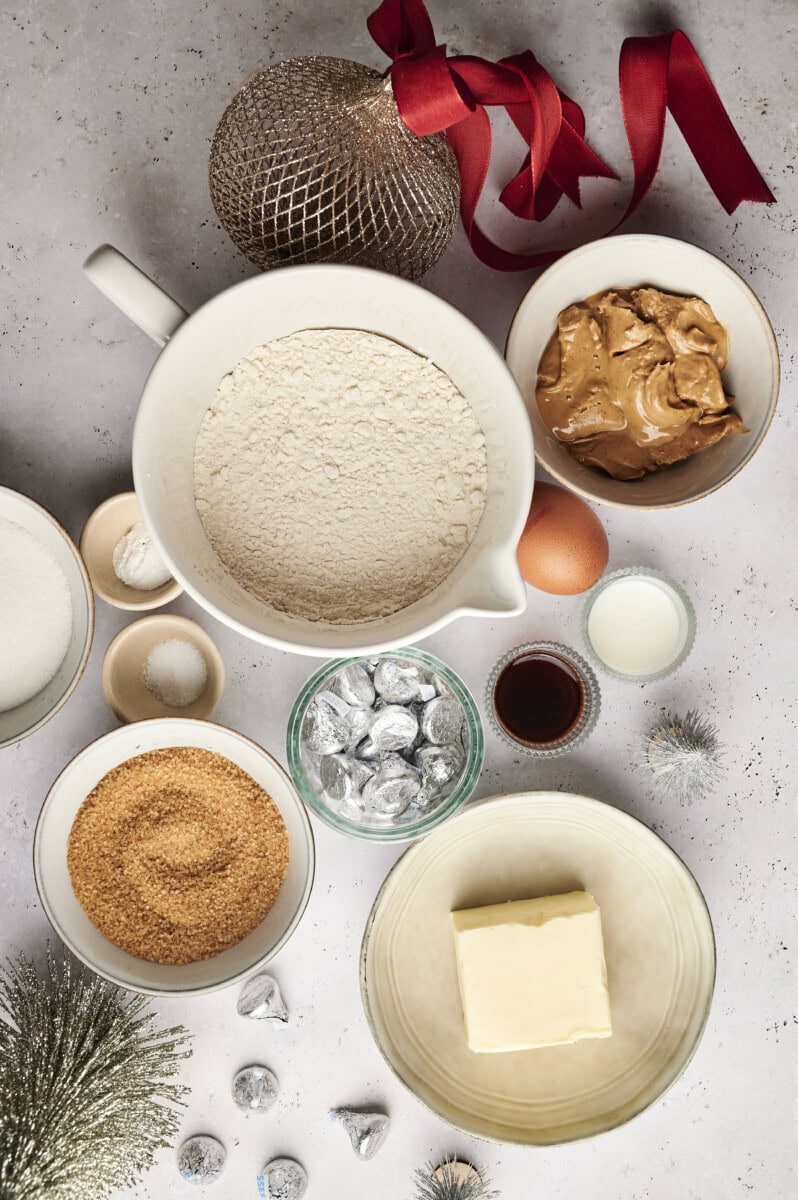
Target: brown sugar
[(177, 854)]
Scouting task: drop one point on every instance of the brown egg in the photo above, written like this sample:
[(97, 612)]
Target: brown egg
[(563, 549)]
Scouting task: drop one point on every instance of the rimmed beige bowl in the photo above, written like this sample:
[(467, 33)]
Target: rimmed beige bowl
[(110, 521), (629, 261), (68, 918), (658, 943), (17, 723), (128, 696)]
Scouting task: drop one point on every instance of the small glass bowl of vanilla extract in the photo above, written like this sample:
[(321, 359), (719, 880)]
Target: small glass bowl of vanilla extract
[(543, 698)]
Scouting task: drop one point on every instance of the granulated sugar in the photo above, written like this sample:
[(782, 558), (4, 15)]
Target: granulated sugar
[(35, 615), (338, 475)]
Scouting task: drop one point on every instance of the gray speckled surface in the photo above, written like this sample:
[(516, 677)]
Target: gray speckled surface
[(108, 113)]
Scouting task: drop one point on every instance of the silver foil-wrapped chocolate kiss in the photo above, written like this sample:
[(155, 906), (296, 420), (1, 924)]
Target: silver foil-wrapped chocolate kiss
[(283, 1179), (260, 999), (201, 1159), (442, 720), (325, 731), (255, 1089), (367, 1130), (393, 728), (354, 685)]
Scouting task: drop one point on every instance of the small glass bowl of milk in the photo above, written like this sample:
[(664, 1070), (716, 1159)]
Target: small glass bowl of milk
[(638, 625)]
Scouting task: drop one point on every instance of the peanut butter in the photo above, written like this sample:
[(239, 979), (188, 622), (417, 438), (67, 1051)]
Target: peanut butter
[(630, 382)]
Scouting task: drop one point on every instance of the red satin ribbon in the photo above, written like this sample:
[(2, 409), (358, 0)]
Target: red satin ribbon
[(435, 93)]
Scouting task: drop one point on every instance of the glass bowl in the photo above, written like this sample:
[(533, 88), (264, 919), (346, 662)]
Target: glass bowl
[(412, 823), (682, 605), (591, 700)]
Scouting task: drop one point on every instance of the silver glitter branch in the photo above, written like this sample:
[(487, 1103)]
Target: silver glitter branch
[(440, 1182), (85, 1091), (684, 754)]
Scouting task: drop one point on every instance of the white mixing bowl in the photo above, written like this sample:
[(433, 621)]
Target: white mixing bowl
[(18, 722), (751, 376), (202, 349)]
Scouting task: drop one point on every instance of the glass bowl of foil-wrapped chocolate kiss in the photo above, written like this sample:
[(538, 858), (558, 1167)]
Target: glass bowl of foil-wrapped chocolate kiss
[(385, 747)]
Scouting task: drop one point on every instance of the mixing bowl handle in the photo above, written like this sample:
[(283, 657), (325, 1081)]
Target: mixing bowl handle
[(134, 293)]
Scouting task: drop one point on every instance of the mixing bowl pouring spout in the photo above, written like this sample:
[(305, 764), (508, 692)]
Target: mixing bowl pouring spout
[(495, 586)]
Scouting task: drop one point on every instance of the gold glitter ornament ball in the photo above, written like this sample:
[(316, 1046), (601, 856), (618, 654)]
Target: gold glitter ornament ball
[(311, 162)]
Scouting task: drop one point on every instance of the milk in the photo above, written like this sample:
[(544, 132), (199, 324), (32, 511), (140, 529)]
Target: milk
[(637, 625)]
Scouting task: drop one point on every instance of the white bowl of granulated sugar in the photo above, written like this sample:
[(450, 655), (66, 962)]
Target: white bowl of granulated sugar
[(46, 616)]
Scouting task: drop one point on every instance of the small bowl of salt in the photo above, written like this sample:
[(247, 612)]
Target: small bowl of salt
[(162, 666), (124, 565)]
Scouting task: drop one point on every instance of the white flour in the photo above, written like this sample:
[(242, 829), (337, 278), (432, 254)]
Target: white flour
[(338, 475)]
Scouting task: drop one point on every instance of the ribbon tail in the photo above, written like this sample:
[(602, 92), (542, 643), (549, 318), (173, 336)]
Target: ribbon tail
[(707, 128), (665, 72)]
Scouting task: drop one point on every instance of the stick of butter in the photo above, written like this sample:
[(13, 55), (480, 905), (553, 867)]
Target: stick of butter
[(532, 973)]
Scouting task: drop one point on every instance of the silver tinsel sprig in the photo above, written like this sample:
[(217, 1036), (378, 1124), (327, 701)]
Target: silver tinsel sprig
[(684, 754), (86, 1091), (443, 1182)]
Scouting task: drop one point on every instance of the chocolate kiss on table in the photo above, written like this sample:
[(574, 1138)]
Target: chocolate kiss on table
[(260, 999), (255, 1089), (367, 1130), (201, 1159), (283, 1179)]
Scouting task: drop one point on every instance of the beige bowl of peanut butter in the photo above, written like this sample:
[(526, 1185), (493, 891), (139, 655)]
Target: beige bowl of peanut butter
[(613, 436)]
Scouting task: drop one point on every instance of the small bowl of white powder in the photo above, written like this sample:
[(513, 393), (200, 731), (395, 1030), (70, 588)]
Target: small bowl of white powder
[(162, 666), (46, 616), (123, 562)]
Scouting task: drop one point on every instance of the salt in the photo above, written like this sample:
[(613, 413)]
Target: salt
[(35, 615), (176, 673), (136, 561)]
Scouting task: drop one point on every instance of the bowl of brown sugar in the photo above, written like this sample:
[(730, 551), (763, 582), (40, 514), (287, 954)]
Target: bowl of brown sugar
[(173, 856)]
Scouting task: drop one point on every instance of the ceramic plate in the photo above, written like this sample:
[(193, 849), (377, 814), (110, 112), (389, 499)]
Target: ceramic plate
[(658, 943)]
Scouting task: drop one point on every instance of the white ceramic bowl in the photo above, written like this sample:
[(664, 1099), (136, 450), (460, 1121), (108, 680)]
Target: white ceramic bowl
[(752, 375), (18, 722), (200, 350), (68, 917)]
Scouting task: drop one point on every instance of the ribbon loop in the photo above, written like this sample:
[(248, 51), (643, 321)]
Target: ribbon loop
[(427, 94)]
